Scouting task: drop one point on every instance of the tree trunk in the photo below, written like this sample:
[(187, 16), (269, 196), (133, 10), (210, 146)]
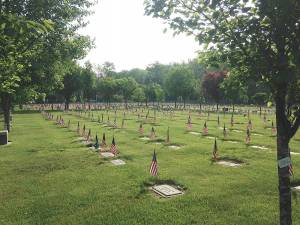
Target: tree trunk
[(232, 108), (217, 107), (175, 105), (6, 106), (282, 152), (184, 104), (67, 103), (260, 110)]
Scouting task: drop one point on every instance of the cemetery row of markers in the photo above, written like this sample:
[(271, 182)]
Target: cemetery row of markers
[(112, 151)]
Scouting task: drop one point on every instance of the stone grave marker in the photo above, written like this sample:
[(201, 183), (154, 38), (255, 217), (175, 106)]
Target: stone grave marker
[(107, 154), (174, 147), (228, 163), (259, 147), (3, 137), (295, 153), (145, 138), (118, 162), (194, 133), (297, 188), (166, 191)]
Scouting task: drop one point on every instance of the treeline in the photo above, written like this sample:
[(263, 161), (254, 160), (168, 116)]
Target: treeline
[(39, 46), (181, 82)]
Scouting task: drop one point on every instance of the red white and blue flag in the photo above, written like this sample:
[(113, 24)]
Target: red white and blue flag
[(153, 166)]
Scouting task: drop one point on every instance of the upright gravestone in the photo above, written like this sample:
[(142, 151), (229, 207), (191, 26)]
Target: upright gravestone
[(3, 137)]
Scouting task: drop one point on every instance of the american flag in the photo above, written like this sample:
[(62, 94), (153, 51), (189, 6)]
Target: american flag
[(141, 129), (273, 128), (96, 145), (224, 131), (103, 141), (291, 169), (123, 123), (83, 131), (108, 122), (62, 122), (153, 166), (115, 122), (152, 134), (189, 123), (215, 150), (250, 125), (88, 135), (248, 138), (205, 129), (168, 135), (78, 128), (113, 147)]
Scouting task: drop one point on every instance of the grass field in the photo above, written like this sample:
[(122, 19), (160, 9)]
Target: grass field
[(49, 177)]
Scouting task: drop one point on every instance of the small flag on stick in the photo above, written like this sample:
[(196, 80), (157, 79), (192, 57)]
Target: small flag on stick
[(205, 129), (152, 134), (224, 131), (189, 123), (96, 145), (103, 144), (273, 129), (141, 130), (215, 151), (168, 135), (248, 138), (113, 147), (153, 166), (83, 131)]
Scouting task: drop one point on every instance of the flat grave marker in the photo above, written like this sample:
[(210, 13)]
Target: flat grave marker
[(259, 147), (232, 142), (174, 147), (118, 162), (295, 153), (107, 154), (166, 191), (297, 188), (238, 131), (208, 137), (194, 133), (145, 138), (228, 163)]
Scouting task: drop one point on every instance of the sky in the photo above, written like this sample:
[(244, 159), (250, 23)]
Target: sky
[(125, 36)]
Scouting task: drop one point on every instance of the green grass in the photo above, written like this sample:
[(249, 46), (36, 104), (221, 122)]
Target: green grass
[(48, 177)]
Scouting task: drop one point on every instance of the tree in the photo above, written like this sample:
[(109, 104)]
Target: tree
[(106, 88), (211, 86), (126, 88), (107, 69), (38, 42), (180, 83), (72, 84), (260, 41), (139, 95), (153, 93), (88, 82), (16, 33), (234, 90)]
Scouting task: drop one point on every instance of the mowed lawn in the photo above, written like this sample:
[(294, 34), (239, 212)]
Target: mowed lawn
[(49, 177)]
